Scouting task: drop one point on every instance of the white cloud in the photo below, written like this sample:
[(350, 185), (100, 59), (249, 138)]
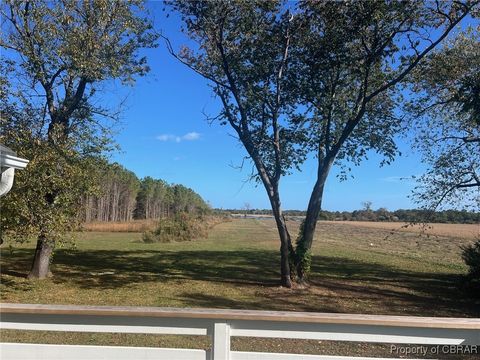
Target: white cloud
[(191, 136), (165, 137)]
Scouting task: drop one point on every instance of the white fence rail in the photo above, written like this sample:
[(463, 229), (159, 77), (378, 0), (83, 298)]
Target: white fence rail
[(221, 325)]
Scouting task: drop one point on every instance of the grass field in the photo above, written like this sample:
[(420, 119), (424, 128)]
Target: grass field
[(356, 269), (467, 231)]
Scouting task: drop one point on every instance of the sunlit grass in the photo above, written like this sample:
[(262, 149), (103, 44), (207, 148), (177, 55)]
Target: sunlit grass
[(355, 270)]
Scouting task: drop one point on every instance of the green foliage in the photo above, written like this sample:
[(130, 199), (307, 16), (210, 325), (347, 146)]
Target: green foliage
[(313, 77), (185, 200), (445, 111), (246, 66), (115, 198), (46, 196), (301, 259), (58, 53), (94, 40), (471, 257), (381, 214), (180, 227), (153, 200), (121, 196)]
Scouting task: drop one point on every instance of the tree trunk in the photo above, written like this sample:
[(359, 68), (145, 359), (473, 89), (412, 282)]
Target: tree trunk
[(285, 240), (285, 248), (41, 261), (304, 243), (271, 186)]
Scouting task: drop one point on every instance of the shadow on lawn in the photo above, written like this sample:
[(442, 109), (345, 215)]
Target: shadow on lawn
[(338, 284)]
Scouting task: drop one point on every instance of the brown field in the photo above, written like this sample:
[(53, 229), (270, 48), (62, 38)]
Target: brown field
[(465, 231), (468, 231), (128, 226)]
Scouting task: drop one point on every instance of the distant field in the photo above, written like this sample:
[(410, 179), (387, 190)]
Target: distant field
[(469, 231), (357, 268)]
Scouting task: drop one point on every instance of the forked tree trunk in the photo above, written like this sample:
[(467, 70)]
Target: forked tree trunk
[(41, 261), (304, 243)]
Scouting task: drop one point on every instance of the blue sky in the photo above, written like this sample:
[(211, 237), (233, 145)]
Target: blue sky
[(164, 134)]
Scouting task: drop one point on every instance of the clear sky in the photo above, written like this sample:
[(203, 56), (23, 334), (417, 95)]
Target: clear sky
[(164, 134)]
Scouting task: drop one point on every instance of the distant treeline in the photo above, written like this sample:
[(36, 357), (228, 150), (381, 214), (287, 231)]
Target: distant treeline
[(123, 197), (382, 214)]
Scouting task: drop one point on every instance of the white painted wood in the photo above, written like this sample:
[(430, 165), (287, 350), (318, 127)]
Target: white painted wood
[(10, 351), (221, 341), (104, 328), (251, 315), (361, 333), (396, 339), (361, 328), (113, 324), (240, 355)]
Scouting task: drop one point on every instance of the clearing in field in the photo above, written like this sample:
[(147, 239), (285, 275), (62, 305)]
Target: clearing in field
[(356, 269)]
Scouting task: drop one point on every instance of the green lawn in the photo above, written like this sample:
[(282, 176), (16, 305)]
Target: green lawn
[(355, 270)]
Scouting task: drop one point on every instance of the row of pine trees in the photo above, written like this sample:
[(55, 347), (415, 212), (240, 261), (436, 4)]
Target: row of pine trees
[(122, 196)]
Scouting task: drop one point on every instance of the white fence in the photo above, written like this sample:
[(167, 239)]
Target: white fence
[(221, 325)]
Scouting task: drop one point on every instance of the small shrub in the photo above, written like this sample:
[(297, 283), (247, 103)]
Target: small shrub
[(181, 227), (471, 257), (150, 237)]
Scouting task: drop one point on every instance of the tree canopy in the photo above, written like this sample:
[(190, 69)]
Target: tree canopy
[(445, 110), (313, 78), (59, 52)]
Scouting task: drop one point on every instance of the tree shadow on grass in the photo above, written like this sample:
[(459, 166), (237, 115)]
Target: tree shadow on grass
[(338, 284), (113, 269)]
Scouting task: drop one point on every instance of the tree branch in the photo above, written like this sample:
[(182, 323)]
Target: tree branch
[(276, 130), (176, 56), (429, 48)]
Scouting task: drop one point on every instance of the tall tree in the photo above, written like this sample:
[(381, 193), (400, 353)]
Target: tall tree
[(325, 80), (446, 113), (61, 50), (354, 59), (153, 200), (243, 50), (116, 196)]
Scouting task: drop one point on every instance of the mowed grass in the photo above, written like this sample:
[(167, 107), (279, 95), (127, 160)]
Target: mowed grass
[(356, 269), (467, 231)]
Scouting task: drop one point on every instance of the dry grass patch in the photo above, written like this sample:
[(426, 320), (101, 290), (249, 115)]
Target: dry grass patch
[(466, 231), (126, 226)]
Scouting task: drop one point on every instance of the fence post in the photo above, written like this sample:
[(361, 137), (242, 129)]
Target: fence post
[(221, 341)]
